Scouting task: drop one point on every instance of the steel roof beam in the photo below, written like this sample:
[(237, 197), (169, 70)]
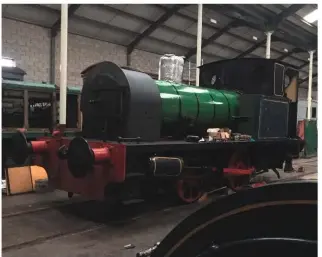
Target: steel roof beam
[(285, 14), (253, 23), (122, 30), (71, 10), (212, 38), (267, 19), (308, 62), (307, 78), (251, 49), (314, 85), (166, 16), (289, 53), (183, 33), (236, 36), (134, 34), (174, 30), (102, 25), (290, 25)]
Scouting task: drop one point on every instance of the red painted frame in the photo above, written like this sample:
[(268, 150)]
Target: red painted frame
[(93, 185)]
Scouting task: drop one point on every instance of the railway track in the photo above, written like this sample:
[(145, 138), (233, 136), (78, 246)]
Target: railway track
[(80, 217), (75, 219), (40, 209)]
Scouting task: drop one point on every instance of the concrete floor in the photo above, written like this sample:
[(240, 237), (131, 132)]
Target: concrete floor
[(79, 230)]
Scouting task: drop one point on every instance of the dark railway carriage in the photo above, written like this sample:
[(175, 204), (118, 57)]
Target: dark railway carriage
[(140, 135), (33, 107)]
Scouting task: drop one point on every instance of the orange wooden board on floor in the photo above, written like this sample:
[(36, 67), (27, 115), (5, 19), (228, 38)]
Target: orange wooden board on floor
[(19, 180), (37, 173), (22, 179)]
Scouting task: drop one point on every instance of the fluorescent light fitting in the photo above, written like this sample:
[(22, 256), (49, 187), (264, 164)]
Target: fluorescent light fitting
[(286, 50), (213, 21), (312, 16), (255, 38), (7, 62)]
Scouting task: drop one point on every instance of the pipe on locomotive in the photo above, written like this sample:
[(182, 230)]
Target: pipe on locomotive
[(101, 154), (309, 94)]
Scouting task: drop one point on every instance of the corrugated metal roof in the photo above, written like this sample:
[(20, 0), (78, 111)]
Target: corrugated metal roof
[(176, 33)]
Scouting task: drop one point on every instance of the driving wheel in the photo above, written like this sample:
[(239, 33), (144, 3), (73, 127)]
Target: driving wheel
[(276, 219)]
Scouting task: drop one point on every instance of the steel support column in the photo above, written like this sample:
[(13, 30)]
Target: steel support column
[(199, 42), (63, 63), (309, 93), (268, 44)]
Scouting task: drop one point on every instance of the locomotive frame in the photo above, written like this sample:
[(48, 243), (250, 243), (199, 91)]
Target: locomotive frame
[(101, 166)]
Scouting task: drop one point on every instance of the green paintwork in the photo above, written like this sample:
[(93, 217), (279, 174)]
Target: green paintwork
[(29, 134), (74, 90), (200, 106), (311, 138), (170, 101), (232, 98), (32, 86), (12, 84)]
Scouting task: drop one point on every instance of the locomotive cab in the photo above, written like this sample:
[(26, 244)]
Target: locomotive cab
[(255, 76), (249, 75)]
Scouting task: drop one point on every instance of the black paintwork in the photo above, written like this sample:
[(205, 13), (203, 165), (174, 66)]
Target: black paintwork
[(119, 103)]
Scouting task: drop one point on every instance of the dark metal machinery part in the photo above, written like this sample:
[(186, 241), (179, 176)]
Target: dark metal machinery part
[(254, 222), (20, 148), (80, 157), (263, 247), (120, 103), (166, 166)]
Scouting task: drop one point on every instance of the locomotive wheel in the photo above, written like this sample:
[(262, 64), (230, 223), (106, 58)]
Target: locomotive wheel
[(237, 162), (267, 221), (189, 190)]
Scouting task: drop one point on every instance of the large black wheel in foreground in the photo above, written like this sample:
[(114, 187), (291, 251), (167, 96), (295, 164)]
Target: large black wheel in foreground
[(274, 220)]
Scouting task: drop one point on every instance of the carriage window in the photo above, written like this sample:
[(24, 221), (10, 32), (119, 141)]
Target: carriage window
[(287, 81), (12, 109), (213, 80), (313, 112), (40, 112), (72, 110), (279, 79)]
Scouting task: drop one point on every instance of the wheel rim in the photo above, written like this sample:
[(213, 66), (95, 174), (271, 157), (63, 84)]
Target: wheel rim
[(266, 246), (189, 190), (206, 227), (236, 183)]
